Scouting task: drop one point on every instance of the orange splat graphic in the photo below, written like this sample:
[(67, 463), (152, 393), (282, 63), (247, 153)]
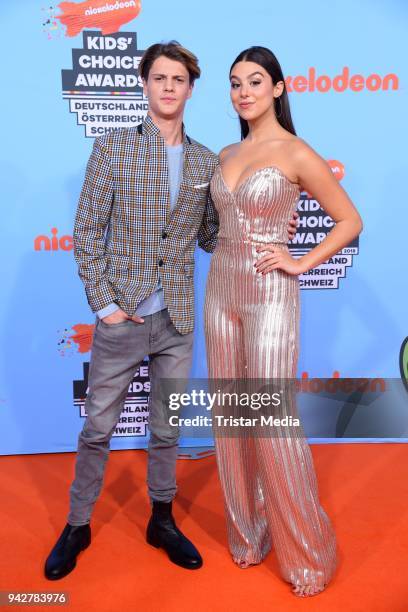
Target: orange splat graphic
[(337, 168), (107, 15), (83, 336)]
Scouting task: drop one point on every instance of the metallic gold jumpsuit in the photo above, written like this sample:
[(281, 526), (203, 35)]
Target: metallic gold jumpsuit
[(269, 483)]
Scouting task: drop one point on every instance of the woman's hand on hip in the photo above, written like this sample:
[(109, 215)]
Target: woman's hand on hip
[(277, 259)]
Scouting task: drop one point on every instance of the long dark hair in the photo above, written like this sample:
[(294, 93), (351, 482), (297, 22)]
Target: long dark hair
[(265, 58)]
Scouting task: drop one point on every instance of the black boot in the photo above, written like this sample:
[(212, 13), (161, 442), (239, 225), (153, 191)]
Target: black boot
[(62, 559), (162, 532)]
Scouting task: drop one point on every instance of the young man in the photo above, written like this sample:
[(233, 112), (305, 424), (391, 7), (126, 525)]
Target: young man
[(144, 204)]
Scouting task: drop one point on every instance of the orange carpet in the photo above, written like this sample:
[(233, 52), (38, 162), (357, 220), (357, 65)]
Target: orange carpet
[(363, 487)]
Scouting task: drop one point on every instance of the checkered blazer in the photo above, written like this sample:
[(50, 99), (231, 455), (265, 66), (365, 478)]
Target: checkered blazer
[(125, 236)]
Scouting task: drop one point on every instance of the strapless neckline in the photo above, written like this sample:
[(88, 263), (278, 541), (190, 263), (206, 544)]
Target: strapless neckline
[(252, 175)]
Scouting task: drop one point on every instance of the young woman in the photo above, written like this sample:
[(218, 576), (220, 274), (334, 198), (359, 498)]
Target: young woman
[(252, 314)]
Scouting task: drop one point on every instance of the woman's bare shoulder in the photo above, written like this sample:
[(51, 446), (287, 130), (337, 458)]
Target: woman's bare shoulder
[(227, 150), (302, 150)]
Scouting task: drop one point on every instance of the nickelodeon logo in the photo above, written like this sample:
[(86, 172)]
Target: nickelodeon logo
[(341, 82), (45, 243), (109, 17), (336, 384)]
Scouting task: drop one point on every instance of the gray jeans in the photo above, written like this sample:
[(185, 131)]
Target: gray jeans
[(117, 351)]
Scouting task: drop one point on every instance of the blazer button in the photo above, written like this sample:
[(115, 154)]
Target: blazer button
[(161, 262), (164, 235)]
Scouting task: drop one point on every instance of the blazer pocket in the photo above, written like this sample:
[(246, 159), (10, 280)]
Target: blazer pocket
[(118, 263), (113, 325), (189, 270)]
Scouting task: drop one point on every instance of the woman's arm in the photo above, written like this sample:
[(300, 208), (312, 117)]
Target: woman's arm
[(316, 177)]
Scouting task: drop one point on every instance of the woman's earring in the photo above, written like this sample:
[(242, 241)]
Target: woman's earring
[(280, 107)]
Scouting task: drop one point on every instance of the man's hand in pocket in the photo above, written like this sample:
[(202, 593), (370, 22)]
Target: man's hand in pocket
[(119, 316)]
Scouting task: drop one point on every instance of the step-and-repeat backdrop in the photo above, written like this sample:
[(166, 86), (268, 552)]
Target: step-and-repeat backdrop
[(70, 73)]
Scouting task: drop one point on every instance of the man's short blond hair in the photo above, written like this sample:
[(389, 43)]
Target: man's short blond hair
[(173, 50)]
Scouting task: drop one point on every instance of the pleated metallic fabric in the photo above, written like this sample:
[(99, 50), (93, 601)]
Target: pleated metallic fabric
[(252, 331)]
